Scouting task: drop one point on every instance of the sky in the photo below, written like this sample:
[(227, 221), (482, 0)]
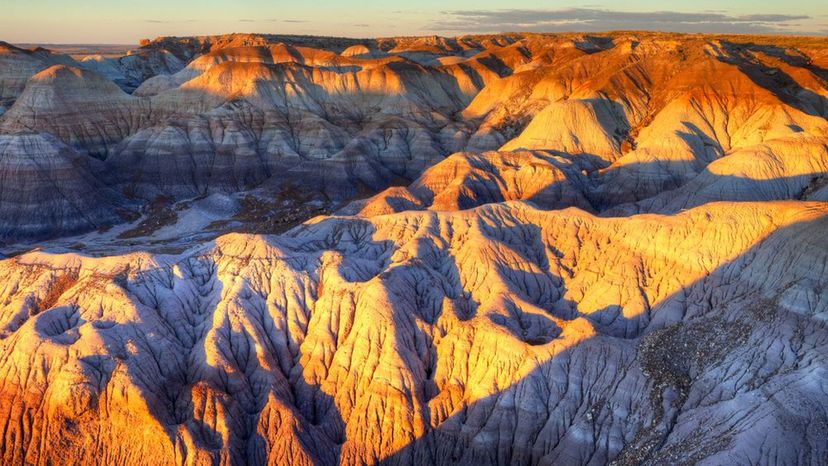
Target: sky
[(126, 22)]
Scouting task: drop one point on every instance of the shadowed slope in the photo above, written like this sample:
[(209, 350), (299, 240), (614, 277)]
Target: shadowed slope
[(46, 187)]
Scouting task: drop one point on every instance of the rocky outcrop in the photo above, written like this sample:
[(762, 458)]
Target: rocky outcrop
[(794, 167), (588, 127), (359, 50), (650, 111), (788, 168), (238, 146), (370, 125), (658, 110)]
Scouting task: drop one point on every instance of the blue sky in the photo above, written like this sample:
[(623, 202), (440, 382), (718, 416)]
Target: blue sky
[(99, 21)]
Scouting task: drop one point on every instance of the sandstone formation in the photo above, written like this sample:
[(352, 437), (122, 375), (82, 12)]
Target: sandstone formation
[(794, 167), (559, 249)]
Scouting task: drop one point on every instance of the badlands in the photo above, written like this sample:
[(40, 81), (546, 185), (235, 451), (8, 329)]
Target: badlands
[(546, 249)]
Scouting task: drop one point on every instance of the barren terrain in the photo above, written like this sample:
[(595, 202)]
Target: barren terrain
[(544, 249)]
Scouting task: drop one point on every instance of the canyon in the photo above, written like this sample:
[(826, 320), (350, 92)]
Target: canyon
[(562, 249)]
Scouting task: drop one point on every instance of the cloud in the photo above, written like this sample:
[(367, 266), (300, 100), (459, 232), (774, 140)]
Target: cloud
[(770, 18), (167, 21), (280, 20), (273, 20), (591, 19)]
